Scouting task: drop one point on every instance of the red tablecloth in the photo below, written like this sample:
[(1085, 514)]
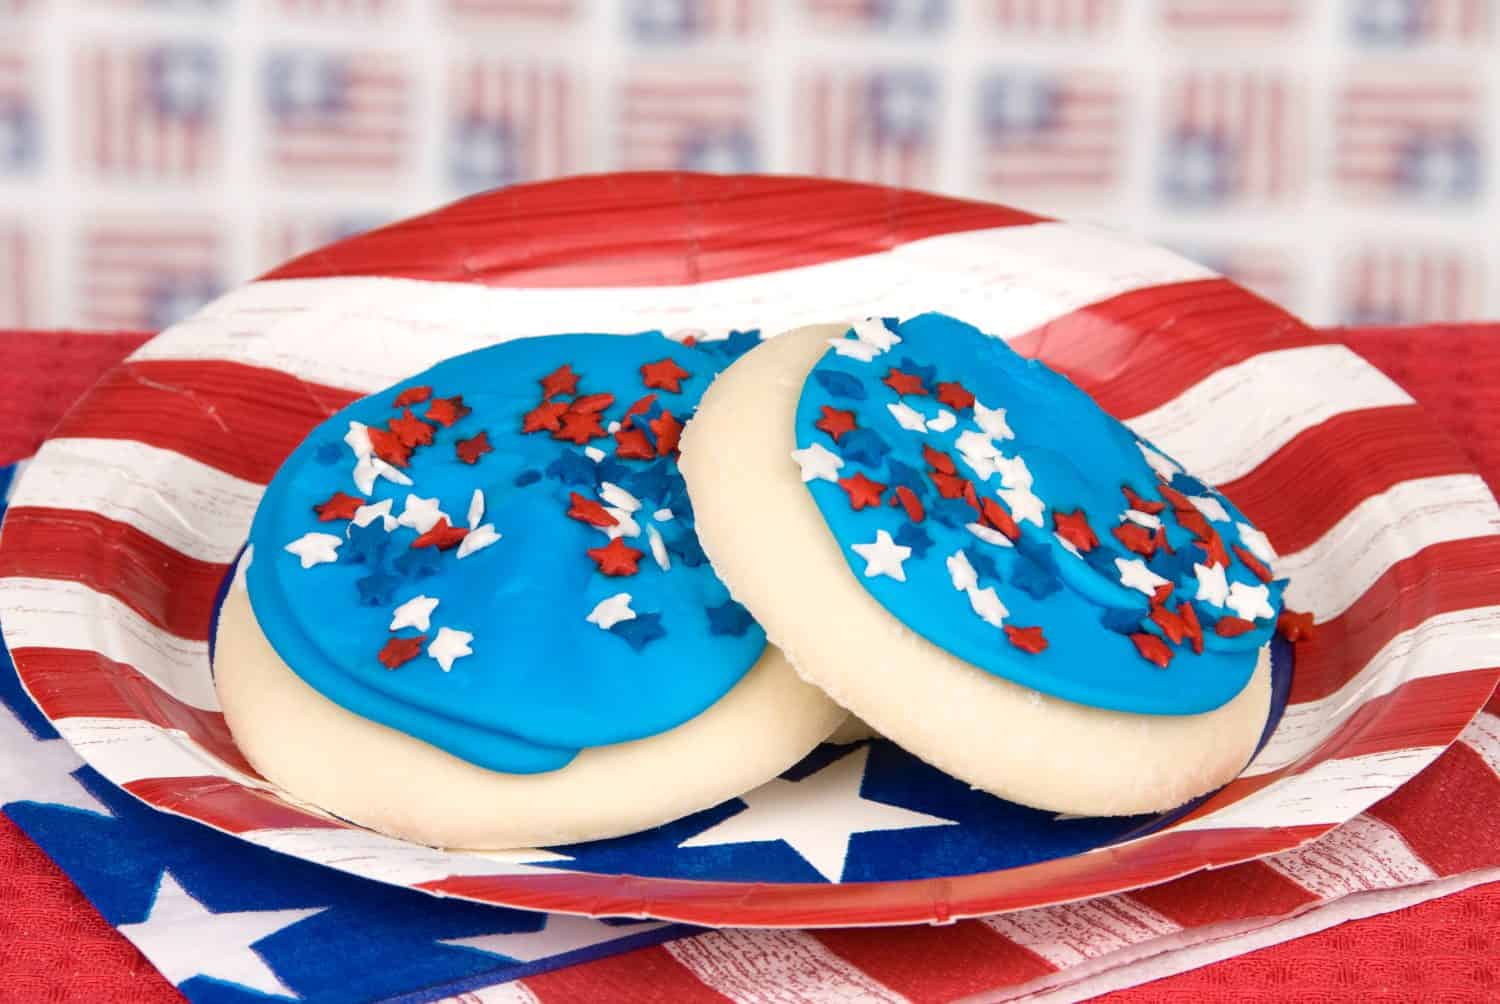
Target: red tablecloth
[(55, 948)]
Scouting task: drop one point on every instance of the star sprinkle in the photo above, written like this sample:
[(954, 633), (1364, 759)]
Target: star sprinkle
[(1135, 575), (441, 536), (1171, 624), (995, 516), (1073, 528), (315, 548), (658, 549), (1194, 630), (338, 506), (399, 651), (904, 383), (663, 515), (668, 433), (546, 416), (420, 514), (1027, 639), (640, 631), (729, 618), (367, 514), (944, 421), (914, 537), (863, 493), (449, 646), (1295, 626), (864, 446), (367, 544), (388, 447), (412, 395), (414, 613), (955, 395), (476, 508), (447, 410), (664, 374), (873, 332), (471, 449), (618, 497), (625, 524), (835, 422), (1013, 472), (1134, 537), (633, 444), (595, 454), (561, 381), (818, 463), (578, 427), (909, 503), (616, 558), (988, 534), (853, 348), (976, 444), (358, 438), (477, 539), (1211, 508), (591, 404), (588, 511), (1213, 586), (992, 421), (1250, 602), (1258, 543), (377, 588), (1259, 570), (987, 605), (1139, 518), (1232, 627), (411, 431), (1024, 505), (611, 611), (883, 556), (960, 572), (1152, 649), (907, 417), (369, 468)]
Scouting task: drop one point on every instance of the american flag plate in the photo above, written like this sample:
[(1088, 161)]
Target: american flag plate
[(122, 531)]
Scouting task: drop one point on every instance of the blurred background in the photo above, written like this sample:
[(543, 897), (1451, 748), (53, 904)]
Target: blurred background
[(1336, 156)]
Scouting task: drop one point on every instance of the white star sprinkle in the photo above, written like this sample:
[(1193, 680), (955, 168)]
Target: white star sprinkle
[(367, 514), (449, 646), (883, 556), (818, 463), (477, 539), (420, 514), (853, 348), (594, 453), (1250, 602), (1135, 575), (989, 535), (872, 331), (609, 612), (945, 420), (414, 613), (476, 508), (372, 467), (1013, 473), (961, 572), (624, 524), (992, 421), (1212, 509), (976, 444), (1163, 466), (1256, 542), (316, 548), (658, 548), (618, 497), (983, 467), (612, 428), (1145, 519), (358, 438), (1213, 587), (907, 417), (988, 606), (663, 515), (1068, 545), (1024, 505)]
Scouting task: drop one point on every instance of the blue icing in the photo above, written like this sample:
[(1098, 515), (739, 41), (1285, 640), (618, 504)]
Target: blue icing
[(1078, 459), (541, 682)]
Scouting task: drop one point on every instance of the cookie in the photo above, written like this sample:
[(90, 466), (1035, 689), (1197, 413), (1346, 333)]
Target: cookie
[(961, 548)]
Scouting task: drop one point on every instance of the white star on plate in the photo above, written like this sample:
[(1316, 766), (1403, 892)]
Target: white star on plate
[(183, 939), (872, 331), (988, 606), (41, 771), (663, 515), (610, 611), (1135, 575), (414, 613), (815, 816), (618, 497), (883, 556), (1139, 518), (623, 526), (818, 463), (853, 348), (316, 548), (477, 539), (367, 514), (1024, 505), (594, 453), (559, 933), (1213, 587), (449, 646), (907, 417), (961, 572), (945, 420), (421, 514), (476, 508), (1256, 542), (658, 548), (370, 468), (1164, 467), (989, 535), (1212, 509), (992, 421), (358, 438), (1013, 473), (1250, 602)]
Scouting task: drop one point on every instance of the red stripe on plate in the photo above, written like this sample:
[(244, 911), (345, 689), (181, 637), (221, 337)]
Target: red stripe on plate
[(226, 805), (1450, 802), (1252, 889), (649, 975), (163, 585), (648, 229), (937, 963), (242, 420)]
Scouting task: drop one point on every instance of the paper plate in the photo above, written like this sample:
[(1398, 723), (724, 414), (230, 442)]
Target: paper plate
[(121, 533)]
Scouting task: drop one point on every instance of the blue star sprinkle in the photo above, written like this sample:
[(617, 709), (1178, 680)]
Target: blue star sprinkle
[(366, 544), (528, 478), (982, 563), (641, 630), (951, 512), (654, 482), (376, 590), (1121, 621), (574, 469), (685, 547), (864, 446), (329, 453), (927, 373), (1036, 579), (913, 536), (1102, 560), (840, 385), (1173, 566), (736, 345), (419, 562), (904, 475), (1189, 485), (611, 470), (729, 618)]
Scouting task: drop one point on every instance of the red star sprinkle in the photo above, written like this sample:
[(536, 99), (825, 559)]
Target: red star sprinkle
[(664, 374), (1294, 626), (1232, 627), (1159, 540), (338, 506), (640, 407), (907, 499), (399, 651), (1192, 520), (578, 427), (447, 410), (904, 383), (1138, 503), (1162, 592), (388, 447), (559, 382), (471, 449), (1172, 495), (667, 431), (835, 422), (938, 460), (411, 395), (591, 404), (862, 491), (1171, 624), (690, 341), (1152, 649), (616, 558), (1074, 528), (411, 430), (1194, 631), (996, 516), (955, 395), (632, 444), (547, 415), (441, 536), (588, 511), (949, 486), (1136, 538), (1253, 563), (1027, 639), (1214, 548), (972, 497)]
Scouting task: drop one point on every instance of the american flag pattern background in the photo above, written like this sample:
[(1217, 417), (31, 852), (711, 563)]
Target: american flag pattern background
[(1256, 127)]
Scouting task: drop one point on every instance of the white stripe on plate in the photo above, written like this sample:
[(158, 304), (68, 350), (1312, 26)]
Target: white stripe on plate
[(52, 613), (1229, 423), (1073, 933), (1362, 854), (128, 749), (1456, 642), (187, 505), (1329, 575), (385, 859), (775, 967), (1483, 737)]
